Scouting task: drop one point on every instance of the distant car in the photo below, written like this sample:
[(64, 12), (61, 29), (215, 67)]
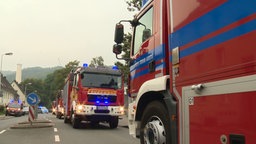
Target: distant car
[(44, 110), (25, 110), (39, 110), (14, 109)]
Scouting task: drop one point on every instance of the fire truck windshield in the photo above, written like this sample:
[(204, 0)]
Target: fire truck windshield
[(101, 80)]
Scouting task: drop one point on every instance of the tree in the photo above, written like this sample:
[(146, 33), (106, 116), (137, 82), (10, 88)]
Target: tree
[(56, 80), (126, 54), (134, 5), (97, 61), (37, 86)]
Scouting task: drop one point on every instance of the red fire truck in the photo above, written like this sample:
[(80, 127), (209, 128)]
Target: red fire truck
[(94, 95), (54, 105), (59, 105), (192, 72)]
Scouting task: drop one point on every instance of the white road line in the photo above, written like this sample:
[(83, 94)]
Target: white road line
[(2, 131), (57, 138), (55, 129)]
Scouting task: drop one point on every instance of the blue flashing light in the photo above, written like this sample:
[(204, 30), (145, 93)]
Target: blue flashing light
[(97, 101), (106, 102), (85, 65), (114, 68)]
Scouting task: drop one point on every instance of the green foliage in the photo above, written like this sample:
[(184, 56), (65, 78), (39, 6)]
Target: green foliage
[(48, 88), (134, 5), (97, 61), (126, 54), (2, 109), (55, 81)]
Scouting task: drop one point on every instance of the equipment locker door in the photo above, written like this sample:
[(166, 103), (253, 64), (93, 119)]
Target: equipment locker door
[(220, 112)]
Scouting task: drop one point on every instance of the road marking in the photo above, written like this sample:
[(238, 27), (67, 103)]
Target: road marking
[(57, 138), (55, 129), (2, 131)]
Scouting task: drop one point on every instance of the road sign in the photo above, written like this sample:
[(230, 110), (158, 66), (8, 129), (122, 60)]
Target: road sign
[(31, 115), (32, 99)]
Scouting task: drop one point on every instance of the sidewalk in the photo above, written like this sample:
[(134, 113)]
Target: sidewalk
[(123, 121), (2, 117)]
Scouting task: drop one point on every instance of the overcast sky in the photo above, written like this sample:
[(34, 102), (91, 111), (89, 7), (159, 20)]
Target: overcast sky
[(48, 33)]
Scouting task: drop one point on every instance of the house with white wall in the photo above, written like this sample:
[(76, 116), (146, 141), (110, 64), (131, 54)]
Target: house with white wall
[(8, 93)]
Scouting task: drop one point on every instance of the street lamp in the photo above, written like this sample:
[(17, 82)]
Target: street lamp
[(9, 53), (26, 88)]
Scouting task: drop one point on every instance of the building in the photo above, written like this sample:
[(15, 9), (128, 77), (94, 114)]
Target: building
[(18, 77), (8, 92), (19, 90)]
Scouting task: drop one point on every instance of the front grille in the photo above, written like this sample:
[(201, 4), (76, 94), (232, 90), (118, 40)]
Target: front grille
[(102, 98), (101, 111)]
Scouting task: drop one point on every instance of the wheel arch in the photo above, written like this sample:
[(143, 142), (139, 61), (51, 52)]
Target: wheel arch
[(152, 90), (145, 99), (158, 92)]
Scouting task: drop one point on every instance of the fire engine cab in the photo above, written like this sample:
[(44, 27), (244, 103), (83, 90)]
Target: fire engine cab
[(192, 72)]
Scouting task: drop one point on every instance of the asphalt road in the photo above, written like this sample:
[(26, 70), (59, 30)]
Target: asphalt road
[(60, 133)]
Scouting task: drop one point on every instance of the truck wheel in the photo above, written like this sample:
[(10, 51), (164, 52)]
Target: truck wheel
[(66, 120), (60, 115), (154, 124), (75, 121), (113, 123)]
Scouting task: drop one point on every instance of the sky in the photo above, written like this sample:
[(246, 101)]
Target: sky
[(49, 33)]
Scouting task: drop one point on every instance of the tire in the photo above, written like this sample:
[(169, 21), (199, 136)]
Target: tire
[(155, 127), (113, 123), (75, 122), (66, 120), (60, 115)]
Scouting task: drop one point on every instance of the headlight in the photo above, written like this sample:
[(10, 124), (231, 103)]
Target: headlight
[(80, 107), (62, 110), (121, 109)]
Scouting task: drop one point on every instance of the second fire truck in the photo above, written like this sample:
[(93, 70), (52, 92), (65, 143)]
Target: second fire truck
[(94, 95)]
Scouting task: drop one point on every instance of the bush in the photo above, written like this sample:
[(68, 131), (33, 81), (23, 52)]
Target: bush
[(2, 109)]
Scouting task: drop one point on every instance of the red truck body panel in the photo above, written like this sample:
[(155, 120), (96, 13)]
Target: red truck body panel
[(207, 51)]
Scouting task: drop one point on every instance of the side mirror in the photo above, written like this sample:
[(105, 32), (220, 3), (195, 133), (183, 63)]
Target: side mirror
[(117, 49), (119, 33)]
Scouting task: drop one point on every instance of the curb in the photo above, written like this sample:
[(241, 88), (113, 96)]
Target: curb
[(3, 117), (123, 121)]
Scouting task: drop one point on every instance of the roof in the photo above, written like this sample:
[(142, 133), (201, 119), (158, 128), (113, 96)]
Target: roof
[(5, 85), (101, 70), (18, 85)]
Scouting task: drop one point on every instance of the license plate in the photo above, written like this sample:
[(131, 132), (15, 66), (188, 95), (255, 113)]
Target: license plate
[(102, 107)]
